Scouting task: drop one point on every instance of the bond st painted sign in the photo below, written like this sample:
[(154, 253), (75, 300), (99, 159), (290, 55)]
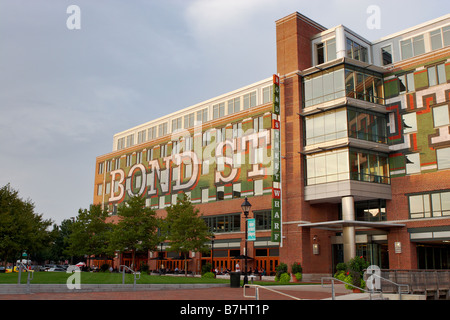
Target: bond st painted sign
[(182, 171)]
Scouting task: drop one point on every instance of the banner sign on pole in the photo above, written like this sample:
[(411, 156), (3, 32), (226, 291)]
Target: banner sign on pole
[(251, 225)]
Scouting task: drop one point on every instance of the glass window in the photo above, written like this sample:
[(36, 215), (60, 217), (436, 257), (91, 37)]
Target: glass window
[(406, 49), (349, 83), (432, 76), (436, 39), (267, 94), (412, 163), (258, 187), (339, 83), (443, 158), (442, 77), (249, 100), (446, 35), (409, 122), (434, 204), (410, 82), (331, 49), (418, 45), (218, 110), (205, 195), (327, 167), (320, 53), (441, 116), (386, 54)]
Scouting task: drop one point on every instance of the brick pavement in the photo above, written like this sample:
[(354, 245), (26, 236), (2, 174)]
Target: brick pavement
[(225, 293)]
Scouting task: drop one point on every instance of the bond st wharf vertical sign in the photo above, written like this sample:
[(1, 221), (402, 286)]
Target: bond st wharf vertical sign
[(276, 163)]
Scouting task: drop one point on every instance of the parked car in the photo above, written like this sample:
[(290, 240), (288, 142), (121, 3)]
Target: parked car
[(56, 269)]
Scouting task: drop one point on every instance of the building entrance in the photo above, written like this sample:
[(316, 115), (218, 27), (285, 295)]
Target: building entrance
[(375, 253)]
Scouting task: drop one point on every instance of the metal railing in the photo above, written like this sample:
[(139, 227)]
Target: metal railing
[(123, 268), (30, 275), (376, 282), (333, 294), (257, 287), (426, 282)]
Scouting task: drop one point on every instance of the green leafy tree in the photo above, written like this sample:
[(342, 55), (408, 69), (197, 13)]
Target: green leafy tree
[(186, 229), (21, 229), (137, 228), (90, 233)]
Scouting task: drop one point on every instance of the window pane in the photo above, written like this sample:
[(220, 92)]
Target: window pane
[(441, 116), (386, 53), (349, 83), (446, 35), (436, 203), (445, 201), (339, 84), (402, 84), (442, 78), (410, 82), (436, 39), (317, 90), (328, 88), (331, 50), (341, 123), (413, 163), (416, 204), (308, 92), (443, 158), (418, 45), (406, 48), (320, 53), (432, 79)]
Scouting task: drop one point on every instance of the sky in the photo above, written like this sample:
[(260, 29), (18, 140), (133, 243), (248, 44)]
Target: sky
[(64, 91)]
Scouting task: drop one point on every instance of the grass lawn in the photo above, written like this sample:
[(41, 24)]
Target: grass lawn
[(102, 278), (113, 278)]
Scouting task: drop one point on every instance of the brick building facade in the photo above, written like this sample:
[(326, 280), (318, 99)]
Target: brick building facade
[(365, 149)]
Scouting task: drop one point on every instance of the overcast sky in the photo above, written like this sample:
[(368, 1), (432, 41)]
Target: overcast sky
[(65, 93)]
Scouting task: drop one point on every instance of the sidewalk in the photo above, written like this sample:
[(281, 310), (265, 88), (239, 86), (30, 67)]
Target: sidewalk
[(307, 292)]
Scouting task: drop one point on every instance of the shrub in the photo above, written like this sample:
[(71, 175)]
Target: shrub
[(285, 278), (296, 268), (208, 275), (298, 276), (144, 268), (206, 268), (280, 269)]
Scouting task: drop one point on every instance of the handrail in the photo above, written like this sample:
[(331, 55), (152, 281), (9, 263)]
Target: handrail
[(396, 284), (257, 287), (332, 286), (24, 267), (134, 275)]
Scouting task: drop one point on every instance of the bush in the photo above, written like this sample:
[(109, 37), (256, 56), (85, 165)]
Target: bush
[(296, 268), (280, 269), (206, 268), (208, 275), (298, 276), (144, 268), (285, 278)]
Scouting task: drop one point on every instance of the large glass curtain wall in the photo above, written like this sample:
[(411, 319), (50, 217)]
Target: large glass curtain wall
[(344, 164), (345, 122), (343, 81)]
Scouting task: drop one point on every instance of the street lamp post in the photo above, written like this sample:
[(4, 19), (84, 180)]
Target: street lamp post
[(246, 206)]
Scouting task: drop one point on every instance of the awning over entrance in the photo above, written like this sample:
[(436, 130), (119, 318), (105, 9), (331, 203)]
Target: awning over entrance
[(337, 225)]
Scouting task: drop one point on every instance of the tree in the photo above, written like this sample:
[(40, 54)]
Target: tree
[(185, 228), (21, 229), (136, 229), (90, 233)]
